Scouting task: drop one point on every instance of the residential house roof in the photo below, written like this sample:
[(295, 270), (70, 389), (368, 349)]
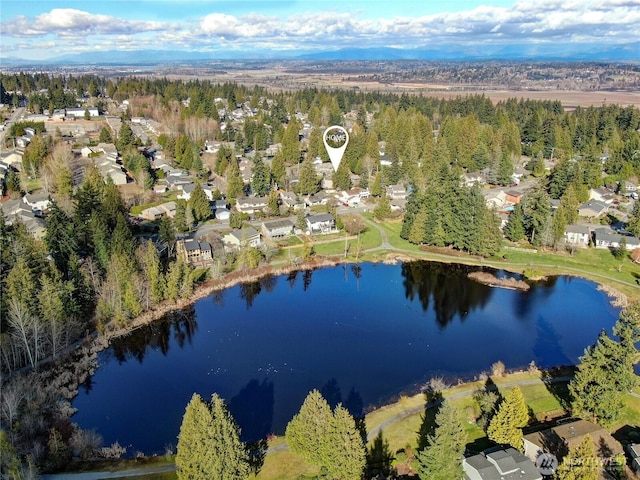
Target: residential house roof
[(276, 224), (245, 233), (592, 208), (582, 229), (320, 218), (500, 464)]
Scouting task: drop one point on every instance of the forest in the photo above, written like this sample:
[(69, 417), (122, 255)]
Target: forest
[(90, 272)]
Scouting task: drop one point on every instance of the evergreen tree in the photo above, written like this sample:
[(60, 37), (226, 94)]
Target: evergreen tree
[(346, 456), (261, 178), (199, 204), (442, 458), (278, 169), (342, 177), (60, 237), (536, 207), (105, 135), (506, 425), (308, 180), (383, 209), (209, 443), (307, 433), (605, 374), (180, 217), (633, 224), (514, 229), (235, 184), (505, 169), (152, 269), (581, 463)]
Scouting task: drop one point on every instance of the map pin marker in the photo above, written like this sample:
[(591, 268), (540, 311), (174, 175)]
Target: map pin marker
[(335, 140)]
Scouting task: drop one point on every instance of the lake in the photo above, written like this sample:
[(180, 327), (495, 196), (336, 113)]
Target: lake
[(362, 334)]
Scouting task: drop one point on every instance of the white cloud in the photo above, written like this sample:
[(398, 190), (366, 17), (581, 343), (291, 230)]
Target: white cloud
[(67, 22), (525, 21)]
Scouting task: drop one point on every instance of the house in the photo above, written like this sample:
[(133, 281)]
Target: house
[(474, 178), (577, 235), (634, 452), (602, 195), (186, 190), (277, 229), (37, 201), (194, 252), (222, 213), (398, 204), (290, 200), (16, 210), (397, 192), (495, 198), (239, 238), (320, 223), (80, 112), (500, 464), (557, 440), (592, 209), (320, 198), (606, 238), (251, 205), (629, 187), (154, 213), (513, 197)]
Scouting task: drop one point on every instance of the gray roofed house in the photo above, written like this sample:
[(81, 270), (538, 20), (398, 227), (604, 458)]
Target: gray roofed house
[(277, 229), (606, 238), (500, 464), (592, 208), (321, 223), (37, 201)]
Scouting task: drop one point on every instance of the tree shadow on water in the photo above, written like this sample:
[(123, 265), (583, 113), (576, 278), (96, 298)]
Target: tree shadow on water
[(353, 403), (252, 408)]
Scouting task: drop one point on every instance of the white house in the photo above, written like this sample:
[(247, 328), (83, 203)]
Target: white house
[(37, 201), (321, 223), (251, 205), (605, 238), (80, 112), (577, 235)]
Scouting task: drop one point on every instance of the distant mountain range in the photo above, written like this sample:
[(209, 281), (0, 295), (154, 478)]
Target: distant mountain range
[(523, 52)]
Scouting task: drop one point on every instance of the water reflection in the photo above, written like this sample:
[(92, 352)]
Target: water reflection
[(156, 336), (447, 286)]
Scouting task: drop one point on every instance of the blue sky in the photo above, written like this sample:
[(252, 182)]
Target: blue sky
[(42, 29)]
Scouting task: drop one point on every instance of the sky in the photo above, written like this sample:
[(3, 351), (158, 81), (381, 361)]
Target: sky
[(34, 29)]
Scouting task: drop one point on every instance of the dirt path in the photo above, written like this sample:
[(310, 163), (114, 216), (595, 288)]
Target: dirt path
[(461, 394)]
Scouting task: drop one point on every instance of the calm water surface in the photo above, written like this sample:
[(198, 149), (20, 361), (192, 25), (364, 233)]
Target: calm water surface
[(361, 334)]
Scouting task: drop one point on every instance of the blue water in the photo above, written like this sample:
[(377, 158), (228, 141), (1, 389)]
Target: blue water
[(362, 337)]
